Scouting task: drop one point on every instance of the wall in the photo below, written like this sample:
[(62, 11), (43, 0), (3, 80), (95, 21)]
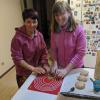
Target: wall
[(62, 0), (29, 3), (10, 17)]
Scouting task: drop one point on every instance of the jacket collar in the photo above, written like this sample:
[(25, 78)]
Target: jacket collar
[(22, 30)]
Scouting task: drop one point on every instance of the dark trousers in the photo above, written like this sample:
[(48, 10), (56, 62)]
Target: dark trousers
[(20, 80)]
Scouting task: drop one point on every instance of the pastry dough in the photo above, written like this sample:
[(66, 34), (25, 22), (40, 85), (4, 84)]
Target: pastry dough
[(84, 72), (82, 78), (80, 85)]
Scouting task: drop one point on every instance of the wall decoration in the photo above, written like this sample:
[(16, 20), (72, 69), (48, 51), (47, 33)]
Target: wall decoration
[(75, 13), (88, 13)]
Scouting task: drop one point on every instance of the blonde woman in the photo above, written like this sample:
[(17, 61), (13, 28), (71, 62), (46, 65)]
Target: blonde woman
[(68, 41)]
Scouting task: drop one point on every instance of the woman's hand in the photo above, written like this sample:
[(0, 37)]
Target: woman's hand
[(58, 73), (38, 70), (61, 73), (46, 68), (54, 67)]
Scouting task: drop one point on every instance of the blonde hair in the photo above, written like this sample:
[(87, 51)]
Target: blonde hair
[(61, 6)]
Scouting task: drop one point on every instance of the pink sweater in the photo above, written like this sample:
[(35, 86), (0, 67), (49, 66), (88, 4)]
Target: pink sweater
[(69, 47), (32, 50)]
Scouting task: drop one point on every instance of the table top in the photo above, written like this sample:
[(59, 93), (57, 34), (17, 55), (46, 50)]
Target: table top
[(70, 80), (24, 94)]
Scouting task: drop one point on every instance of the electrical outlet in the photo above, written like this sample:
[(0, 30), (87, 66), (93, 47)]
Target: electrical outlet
[(2, 63)]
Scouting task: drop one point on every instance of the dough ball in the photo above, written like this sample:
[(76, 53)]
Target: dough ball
[(80, 85), (50, 77), (82, 78), (84, 72)]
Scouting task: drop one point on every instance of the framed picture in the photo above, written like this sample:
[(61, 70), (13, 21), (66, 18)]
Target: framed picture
[(99, 15), (75, 13)]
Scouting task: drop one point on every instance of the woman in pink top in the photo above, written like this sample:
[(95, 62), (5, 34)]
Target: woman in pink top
[(68, 41), (28, 48)]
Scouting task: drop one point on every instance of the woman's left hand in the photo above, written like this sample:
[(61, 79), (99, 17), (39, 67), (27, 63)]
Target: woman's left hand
[(61, 73), (47, 68)]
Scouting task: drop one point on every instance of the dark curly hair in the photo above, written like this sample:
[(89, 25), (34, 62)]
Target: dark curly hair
[(30, 13)]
